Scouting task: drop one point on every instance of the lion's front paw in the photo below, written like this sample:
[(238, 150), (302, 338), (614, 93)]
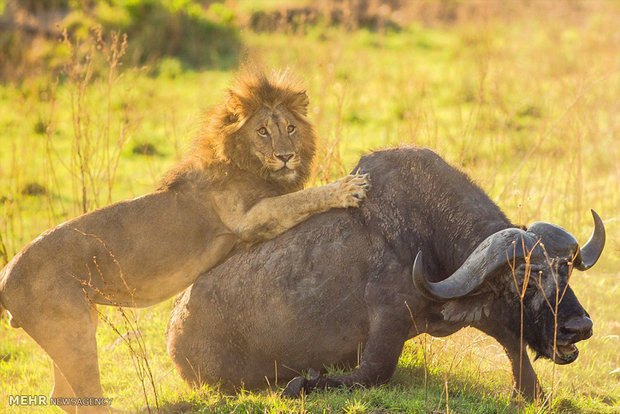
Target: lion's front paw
[(351, 190)]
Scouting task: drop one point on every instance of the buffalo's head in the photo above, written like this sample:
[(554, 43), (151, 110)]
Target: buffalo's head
[(532, 267)]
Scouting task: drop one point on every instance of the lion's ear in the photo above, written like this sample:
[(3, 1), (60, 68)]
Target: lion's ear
[(299, 103), (234, 107)]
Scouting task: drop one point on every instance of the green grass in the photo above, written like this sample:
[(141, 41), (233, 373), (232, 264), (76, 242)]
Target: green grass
[(529, 109)]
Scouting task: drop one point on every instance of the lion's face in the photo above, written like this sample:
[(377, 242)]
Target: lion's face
[(275, 138), (272, 136), (262, 128)]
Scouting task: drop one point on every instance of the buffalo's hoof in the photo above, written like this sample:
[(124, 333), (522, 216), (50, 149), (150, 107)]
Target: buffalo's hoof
[(294, 388), (529, 394), (301, 385)]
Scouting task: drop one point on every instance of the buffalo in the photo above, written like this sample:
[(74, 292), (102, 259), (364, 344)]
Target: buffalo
[(427, 252)]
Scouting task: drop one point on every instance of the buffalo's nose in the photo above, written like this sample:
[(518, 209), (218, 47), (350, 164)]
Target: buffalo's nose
[(580, 327), (285, 157)]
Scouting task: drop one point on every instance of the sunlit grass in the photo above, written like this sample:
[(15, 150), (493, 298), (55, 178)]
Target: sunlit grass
[(529, 110)]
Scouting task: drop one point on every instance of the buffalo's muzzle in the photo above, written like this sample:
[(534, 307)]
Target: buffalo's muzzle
[(572, 331), (576, 329)]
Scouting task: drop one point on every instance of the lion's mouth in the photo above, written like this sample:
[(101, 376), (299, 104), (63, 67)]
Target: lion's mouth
[(280, 166), (285, 169)]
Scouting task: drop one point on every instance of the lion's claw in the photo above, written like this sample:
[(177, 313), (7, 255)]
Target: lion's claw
[(351, 190)]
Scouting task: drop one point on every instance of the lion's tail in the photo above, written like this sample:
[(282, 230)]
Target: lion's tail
[(2, 271), (2, 309)]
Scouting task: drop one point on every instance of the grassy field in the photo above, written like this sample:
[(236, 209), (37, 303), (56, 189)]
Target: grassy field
[(528, 107)]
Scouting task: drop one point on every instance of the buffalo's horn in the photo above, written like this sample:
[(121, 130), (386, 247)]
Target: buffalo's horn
[(493, 255), (591, 251)]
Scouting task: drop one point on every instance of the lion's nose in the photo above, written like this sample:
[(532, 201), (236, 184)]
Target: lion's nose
[(285, 157)]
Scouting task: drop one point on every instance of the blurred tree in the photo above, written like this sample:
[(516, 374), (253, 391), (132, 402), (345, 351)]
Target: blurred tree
[(197, 33)]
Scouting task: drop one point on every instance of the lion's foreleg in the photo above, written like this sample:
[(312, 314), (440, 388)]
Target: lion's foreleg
[(272, 216)]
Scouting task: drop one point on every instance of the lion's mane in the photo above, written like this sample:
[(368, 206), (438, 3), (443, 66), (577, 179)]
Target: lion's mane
[(220, 146)]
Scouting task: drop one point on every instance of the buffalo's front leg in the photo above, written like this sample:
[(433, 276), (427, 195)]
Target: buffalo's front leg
[(388, 334), (525, 379)]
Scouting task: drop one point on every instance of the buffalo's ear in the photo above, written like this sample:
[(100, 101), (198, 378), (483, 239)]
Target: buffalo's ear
[(467, 309)]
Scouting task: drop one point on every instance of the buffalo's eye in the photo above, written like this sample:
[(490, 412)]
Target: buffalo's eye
[(565, 267), (262, 131), (290, 129), (535, 281)]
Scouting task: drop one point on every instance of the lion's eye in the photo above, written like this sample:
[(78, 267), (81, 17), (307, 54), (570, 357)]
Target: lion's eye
[(262, 131), (290, 129)]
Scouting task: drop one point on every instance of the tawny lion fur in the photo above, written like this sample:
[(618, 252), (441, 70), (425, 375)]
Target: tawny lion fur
[(241, 184)]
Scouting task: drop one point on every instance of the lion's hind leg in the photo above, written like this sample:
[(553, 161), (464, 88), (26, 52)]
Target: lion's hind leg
[(66, 331), (62, 388)]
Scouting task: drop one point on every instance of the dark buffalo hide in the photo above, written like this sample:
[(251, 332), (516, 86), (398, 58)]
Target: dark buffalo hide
[(428, 251)]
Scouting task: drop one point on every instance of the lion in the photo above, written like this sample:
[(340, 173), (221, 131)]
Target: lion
[(241, 184)]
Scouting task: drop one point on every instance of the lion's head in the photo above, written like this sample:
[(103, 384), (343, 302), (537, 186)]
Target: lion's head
[(262, 128)]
